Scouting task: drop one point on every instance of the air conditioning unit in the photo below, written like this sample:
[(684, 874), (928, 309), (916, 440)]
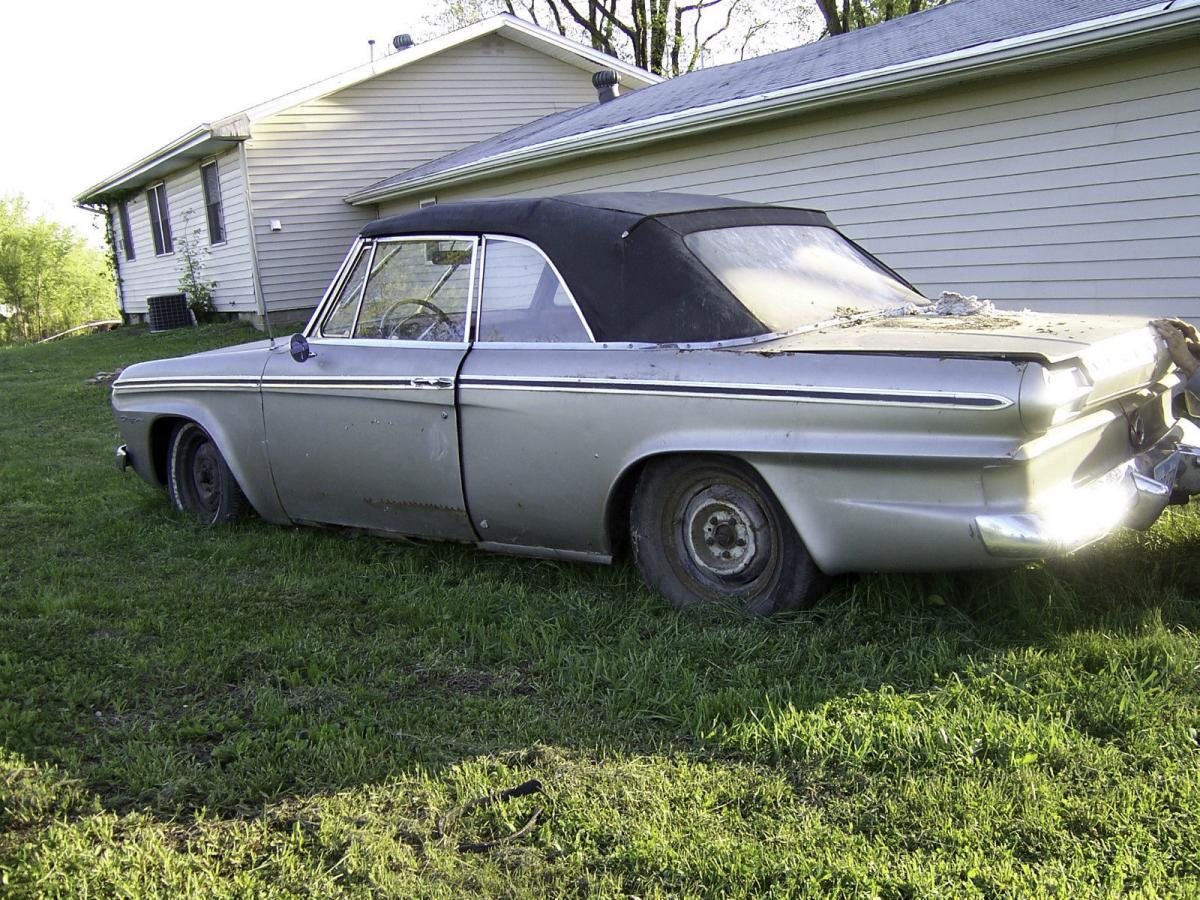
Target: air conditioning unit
[(168, 312)]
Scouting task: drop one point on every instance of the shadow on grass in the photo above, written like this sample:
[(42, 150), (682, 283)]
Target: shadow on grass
[(229, 669)]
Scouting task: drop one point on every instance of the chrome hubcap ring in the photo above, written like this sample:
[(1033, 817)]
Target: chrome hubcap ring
[(205, 477), (726, 532)]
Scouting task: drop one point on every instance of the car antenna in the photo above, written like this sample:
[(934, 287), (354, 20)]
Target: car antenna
[(267, 325)]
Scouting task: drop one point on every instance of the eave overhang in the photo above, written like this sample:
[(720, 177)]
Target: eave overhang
[(201, 142)]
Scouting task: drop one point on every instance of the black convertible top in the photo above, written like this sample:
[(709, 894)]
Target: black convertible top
[(622, 255)]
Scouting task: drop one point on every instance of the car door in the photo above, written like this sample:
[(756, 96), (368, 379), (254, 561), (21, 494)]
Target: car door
[(533, 476), (364, 432)]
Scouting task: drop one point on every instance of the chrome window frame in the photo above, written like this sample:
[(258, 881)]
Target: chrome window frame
[(562, 281), (348, 266), (312, 330), (316, 323)]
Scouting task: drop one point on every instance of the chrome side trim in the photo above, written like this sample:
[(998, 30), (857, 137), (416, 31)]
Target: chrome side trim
[(185, 386), (740, 391), (707, 390)]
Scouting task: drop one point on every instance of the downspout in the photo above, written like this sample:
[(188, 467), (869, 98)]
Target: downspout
[(256, 278), (114, 258)]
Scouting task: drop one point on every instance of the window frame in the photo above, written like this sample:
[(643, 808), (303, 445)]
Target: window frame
[(126, 230), (591, 342), (369, 246), (156, 202), (209, 203)]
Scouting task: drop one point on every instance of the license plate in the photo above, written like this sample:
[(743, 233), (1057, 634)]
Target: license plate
[(1164, 472)]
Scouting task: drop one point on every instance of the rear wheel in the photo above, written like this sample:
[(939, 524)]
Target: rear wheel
[(198, 478), (708, 530)]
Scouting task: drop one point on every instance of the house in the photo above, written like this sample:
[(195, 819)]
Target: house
[(1042, 154), (261, 192)]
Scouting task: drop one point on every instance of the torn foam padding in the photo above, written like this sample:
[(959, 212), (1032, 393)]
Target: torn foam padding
[(949, 304)]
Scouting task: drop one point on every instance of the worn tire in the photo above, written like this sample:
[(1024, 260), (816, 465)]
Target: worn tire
[(708, 530), (198, 478)]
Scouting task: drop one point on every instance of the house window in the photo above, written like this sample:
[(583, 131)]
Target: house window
[(126, 230), (211, 179), (160, 219)]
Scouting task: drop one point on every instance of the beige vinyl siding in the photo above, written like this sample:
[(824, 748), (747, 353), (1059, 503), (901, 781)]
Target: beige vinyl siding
[(305, 160), (228, 264), (1073, 189)]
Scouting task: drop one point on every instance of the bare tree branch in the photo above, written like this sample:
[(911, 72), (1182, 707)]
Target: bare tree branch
[(558, 22), (699, 46), (750, 34)]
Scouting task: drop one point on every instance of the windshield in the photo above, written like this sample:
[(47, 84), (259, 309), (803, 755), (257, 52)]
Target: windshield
[(790, 276)]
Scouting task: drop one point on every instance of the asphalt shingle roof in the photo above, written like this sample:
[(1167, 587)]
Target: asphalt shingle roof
[(956, 26)]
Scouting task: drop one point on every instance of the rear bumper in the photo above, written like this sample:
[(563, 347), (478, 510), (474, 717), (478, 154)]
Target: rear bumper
[(1132, 495)]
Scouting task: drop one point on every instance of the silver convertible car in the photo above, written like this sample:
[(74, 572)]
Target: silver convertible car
[(737, 393)]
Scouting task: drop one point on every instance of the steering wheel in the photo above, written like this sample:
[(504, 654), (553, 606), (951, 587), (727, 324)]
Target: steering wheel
[(442, 316)]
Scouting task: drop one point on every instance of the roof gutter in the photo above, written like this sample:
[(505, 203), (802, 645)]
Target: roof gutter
[(1152, 19)]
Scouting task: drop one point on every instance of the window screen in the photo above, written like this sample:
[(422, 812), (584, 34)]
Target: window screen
[(211, 179), (523, 298), (160, 219)]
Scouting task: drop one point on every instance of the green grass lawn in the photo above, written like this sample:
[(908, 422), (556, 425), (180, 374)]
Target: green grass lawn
[(257, 710)]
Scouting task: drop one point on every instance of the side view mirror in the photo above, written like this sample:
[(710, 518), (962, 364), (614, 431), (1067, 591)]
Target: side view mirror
[(300, 349)]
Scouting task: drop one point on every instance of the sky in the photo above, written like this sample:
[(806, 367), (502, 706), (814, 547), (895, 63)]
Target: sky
[(90, 87)]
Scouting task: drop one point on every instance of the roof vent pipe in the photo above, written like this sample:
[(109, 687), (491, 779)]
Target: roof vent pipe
[(607, 83), (402, 42)]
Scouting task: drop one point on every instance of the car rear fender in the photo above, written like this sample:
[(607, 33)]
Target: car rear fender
[(776, 470), (848, 508)]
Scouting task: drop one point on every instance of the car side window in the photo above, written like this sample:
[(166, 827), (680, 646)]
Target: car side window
[(523, 298), (417, 290), (340, 321)]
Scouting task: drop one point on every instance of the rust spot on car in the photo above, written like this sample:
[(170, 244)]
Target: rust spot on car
[(391, 503)]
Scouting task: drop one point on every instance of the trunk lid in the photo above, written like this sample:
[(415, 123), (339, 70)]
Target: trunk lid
[(1119, 354), (1047, 338)]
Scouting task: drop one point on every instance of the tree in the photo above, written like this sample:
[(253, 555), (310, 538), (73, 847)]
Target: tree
[(852, 14), (50, 279), (670, 37), (667, 37)]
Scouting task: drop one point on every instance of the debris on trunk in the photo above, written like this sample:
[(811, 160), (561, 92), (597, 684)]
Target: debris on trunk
[(953, 304), (949, 304)]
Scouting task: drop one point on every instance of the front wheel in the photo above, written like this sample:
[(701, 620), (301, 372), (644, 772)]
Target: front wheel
[(198, 478), (709, 530)]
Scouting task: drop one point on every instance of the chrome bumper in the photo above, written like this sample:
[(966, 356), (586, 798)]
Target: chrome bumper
[(1132, 495), (122, 458)]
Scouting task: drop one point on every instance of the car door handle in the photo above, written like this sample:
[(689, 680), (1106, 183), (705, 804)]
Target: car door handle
[(433, 382)]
